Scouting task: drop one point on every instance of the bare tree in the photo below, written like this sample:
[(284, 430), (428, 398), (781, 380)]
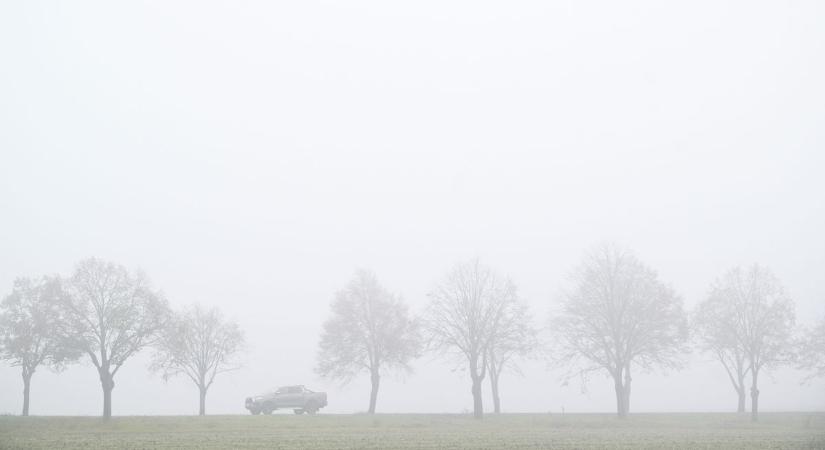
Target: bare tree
[(812, 351), (760, 316), (112, 315), (513, 338), (370, 330), (31, 329), (619, 315), (466, 310), (712, 323), (200, 344)]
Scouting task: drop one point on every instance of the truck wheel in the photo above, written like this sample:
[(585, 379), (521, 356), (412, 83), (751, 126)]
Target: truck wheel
[(255, 412), (268, 408), (311, 407), (298, 411)]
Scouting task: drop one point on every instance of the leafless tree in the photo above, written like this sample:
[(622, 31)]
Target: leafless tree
[(112, 315), (466, 310), (200, 344), (513, 338), (31, 329), (370, 330), (712, 324), (617, 316), (760, 317), (812, 351)]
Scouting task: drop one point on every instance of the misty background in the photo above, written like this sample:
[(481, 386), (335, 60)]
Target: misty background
[(253, 155)]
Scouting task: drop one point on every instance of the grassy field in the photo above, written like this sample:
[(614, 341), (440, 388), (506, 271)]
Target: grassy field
[(668, 431)]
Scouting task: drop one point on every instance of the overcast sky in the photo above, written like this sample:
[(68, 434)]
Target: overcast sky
[(250, 155)]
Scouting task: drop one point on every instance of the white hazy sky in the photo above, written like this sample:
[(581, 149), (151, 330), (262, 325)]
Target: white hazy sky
[(251, 155)]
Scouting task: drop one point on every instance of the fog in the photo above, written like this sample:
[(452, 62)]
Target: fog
[(252, 156)]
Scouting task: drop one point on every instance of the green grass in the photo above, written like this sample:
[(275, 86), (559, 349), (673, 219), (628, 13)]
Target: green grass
[(654, 431)]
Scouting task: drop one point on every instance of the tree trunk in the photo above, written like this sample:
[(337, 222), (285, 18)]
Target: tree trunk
[(620, 396), (494, 388), (107, 402), (478, 406), (202, 408), (107, 382), (627, 385), (477, 376), (754, 396), (741, 391), (375, 380), (27, 379)]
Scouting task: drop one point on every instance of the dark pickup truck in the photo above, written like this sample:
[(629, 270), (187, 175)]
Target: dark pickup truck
[(298, 398)]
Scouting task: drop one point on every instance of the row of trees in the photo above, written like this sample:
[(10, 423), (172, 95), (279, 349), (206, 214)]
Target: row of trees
[(107, 314), (616, 317), (474, 316)]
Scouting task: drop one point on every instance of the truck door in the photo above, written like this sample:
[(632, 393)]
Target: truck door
[(293, 397)]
